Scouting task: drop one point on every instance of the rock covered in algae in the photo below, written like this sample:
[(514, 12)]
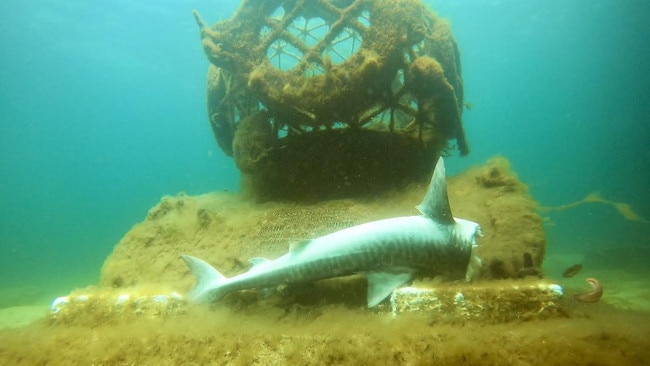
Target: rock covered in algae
[(91, 306), (226, 230), (500, 301)]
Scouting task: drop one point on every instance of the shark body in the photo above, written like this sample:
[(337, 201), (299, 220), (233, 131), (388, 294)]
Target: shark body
[(388, 252)]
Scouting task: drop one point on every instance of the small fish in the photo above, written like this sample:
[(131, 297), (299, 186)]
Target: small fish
[(572, 271), (592, 296)]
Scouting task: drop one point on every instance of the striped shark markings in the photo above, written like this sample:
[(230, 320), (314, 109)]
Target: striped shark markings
[(388, 252)]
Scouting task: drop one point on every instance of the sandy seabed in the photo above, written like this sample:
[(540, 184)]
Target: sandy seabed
[(590, 334)]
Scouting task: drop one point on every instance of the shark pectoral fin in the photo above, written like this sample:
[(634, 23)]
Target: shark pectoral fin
[(381, 284)]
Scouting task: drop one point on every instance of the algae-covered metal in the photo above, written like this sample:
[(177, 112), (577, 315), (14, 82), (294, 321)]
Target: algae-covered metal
[(315, 67)]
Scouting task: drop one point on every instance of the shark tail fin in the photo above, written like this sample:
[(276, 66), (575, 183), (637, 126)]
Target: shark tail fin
[(208, 280)]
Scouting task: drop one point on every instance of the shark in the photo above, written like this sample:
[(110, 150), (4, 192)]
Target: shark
[(389, 253)]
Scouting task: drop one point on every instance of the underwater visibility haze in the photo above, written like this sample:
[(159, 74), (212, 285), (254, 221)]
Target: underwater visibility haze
[(102, 110)]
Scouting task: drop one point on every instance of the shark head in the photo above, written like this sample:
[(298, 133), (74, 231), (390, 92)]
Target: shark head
[(467, 233)]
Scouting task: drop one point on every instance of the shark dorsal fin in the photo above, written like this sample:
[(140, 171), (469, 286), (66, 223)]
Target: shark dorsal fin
[(436, 203)]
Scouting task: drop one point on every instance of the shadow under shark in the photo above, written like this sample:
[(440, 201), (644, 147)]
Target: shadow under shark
[(388, 252)]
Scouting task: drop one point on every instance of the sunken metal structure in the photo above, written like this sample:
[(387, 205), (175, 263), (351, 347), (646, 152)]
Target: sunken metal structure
[(333, 97)]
